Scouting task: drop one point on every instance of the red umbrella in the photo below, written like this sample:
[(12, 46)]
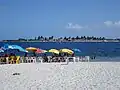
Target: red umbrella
[(39, 51)]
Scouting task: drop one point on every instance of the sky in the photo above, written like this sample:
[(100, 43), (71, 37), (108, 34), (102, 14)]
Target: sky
[(59, 18)]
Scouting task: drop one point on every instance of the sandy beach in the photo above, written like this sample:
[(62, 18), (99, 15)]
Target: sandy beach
[(74, 76)]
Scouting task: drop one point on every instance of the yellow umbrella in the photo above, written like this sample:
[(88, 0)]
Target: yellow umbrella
[(54, 51), (33, 49), (66, 51)]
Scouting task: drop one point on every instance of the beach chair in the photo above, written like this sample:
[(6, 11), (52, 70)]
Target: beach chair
[(14, 60), (49, 59), (80, 60), (18, 60), (83, 59), (76, 59), (2, 60), (61, 59), (71, 59), (27, 59), (30, 59), (87, 58), (22, 59), (7, 60), (65, 58), (39, 59), (11, 60)]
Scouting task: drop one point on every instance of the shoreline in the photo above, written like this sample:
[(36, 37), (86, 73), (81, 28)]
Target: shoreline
[(63, 41)]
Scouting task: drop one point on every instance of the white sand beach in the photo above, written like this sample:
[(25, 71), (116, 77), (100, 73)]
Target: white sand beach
[(74, 76)]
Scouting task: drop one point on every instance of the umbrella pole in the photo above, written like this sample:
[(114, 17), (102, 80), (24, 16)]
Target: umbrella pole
[(34, 54), (7, 52), (25, 54)]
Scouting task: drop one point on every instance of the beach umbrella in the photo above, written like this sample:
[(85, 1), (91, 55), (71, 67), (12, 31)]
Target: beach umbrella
[(31, 49), (17, 48), (54, 51), (66, 51), (40, 51), (13, 47), (76, 50), (5, 47), (10, 48)]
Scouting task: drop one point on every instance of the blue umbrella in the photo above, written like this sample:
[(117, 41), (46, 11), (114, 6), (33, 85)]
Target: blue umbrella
[(17, 47), (7, 47), (76, 50)]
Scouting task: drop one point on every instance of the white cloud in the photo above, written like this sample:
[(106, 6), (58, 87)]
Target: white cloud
[(74, 26), (112, 24), (104, 25), (108, 23), (117, 23)]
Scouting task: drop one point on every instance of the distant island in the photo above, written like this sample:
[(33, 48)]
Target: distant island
[(65, 39)]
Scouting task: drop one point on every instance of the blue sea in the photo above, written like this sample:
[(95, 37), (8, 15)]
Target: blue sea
[(103, 51)]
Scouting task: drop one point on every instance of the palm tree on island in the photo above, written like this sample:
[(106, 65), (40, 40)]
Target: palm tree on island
[(66, 39)]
